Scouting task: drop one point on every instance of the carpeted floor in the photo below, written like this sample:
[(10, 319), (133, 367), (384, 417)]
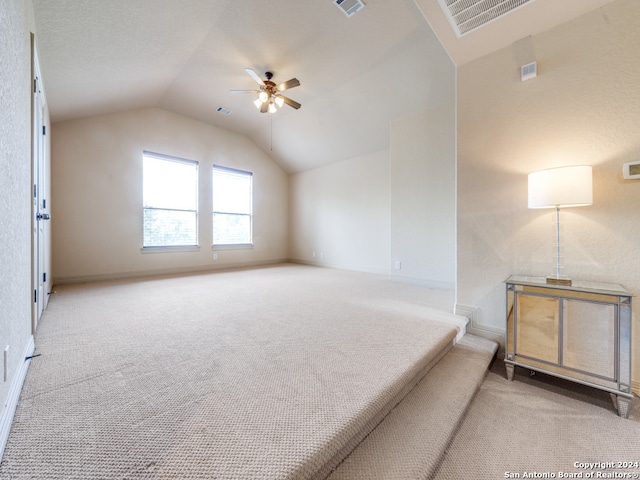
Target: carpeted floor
[(264, 373), (541, 425), (125, 394)]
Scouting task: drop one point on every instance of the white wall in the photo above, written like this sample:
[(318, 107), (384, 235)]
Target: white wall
[(341, 212), (399, 205), (366, 213), (583, 108), (16, 21), (97, 194), (422, 179)]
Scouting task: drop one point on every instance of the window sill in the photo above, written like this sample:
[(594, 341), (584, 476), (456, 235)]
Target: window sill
[(243, 246), (194, 248)]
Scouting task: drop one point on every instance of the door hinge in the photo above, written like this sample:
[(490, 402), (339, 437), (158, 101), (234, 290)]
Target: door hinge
[(35, 191), (44, 130), (44, 203), (35, 296), (35, 85), (44, 277)]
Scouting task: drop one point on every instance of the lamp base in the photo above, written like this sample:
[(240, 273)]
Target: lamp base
[(566, 282)]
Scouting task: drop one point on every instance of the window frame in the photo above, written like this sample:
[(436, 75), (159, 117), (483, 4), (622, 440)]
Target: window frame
[(180, 247), (249, 175)]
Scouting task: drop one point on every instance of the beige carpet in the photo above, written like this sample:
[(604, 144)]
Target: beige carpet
[(409, 443), (270, 373), (541, 425)]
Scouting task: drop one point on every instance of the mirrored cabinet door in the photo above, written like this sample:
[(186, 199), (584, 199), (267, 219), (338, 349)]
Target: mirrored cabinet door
[(537, 330), (589, 338)]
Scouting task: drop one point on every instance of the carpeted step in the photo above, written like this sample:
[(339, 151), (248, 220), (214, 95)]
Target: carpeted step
[(410, 442)]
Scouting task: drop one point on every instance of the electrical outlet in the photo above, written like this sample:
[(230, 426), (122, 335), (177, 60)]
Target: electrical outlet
[(398, 265), (215, 256), (313, 254)]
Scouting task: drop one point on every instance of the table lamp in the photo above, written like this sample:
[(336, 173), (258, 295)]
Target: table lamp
[(558, 188)]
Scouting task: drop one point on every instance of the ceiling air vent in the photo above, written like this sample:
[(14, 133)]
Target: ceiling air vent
[(223, 110), (467, 15), (349, 7)]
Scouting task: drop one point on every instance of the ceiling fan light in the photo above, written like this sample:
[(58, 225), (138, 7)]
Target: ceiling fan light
[(269, 98)]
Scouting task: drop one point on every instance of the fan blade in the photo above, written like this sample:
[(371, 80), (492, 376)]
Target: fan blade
[(264, 108), (291, 103), (244, 91), (254, 75), (294, 82)]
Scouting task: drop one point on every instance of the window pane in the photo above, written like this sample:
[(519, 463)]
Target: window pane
[(170, 201), (229, 229), (169, 228), (231, 191), (232, 206), (170, 184)]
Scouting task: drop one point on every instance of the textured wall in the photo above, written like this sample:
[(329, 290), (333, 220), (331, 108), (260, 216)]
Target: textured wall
[(368, 212), (97, 194), (15, 187), (341, 212), (422, 177), (399, 205), (583, 108)]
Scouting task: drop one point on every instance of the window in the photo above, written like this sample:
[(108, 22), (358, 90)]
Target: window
[(232, 206), (170, 201)]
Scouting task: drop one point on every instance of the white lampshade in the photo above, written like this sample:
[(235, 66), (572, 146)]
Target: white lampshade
[(561, 187)]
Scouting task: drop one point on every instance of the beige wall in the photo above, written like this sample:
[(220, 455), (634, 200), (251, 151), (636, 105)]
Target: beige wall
[(341, 212), (395, 205), (97, 194), (16, 23), (422, 177), (399, 205), (583, 108)]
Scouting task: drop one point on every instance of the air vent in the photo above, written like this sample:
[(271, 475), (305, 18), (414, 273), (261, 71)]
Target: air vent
[(226, 111), (349, 7), (467, 15), (528, 71)]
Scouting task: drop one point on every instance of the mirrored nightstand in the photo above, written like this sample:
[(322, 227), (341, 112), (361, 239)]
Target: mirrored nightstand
[(580, 333)]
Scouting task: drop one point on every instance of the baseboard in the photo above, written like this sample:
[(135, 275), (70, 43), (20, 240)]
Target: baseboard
[(378, 271), (336, 266), (635, 388), (423, 282), (11, 404), (476, 328), (162, 271)]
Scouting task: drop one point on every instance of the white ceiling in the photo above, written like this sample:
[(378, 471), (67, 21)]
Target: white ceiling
[(357, 74)]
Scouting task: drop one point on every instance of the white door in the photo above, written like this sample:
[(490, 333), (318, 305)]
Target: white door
[(40, 211)]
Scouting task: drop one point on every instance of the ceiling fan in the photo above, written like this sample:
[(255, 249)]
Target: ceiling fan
[(269, 96)]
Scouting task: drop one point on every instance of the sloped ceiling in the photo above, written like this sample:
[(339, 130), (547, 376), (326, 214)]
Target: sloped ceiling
[(357, 74)]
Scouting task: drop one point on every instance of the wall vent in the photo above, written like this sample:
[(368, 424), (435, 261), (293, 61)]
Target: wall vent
[(467, 15), (528, 71), (226, 111), (349, 7)]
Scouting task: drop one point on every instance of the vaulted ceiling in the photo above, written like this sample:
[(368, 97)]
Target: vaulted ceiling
[(357, 74)]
